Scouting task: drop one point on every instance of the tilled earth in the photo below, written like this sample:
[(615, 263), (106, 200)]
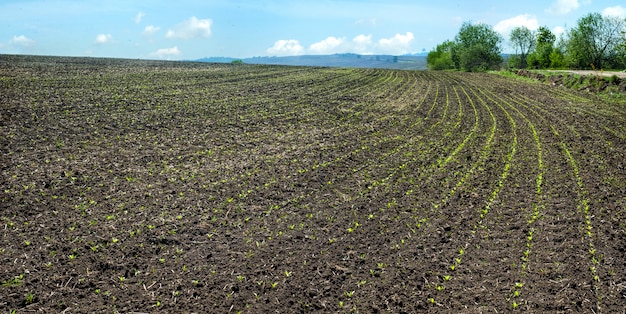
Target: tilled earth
[(144, 186)]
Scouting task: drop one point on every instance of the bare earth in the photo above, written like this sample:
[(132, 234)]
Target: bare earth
[(176, 187)]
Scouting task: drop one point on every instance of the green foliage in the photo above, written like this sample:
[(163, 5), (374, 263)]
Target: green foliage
[(238, 61), (557, 59), (544, 45), (441, 57), (596, 40), (545, 36), (620, 58), (514, 61), (476, 48)]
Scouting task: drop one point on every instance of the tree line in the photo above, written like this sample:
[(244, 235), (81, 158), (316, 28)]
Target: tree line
[(596, 42)]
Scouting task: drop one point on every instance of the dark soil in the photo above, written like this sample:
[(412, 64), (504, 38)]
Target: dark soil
[(145, 186)]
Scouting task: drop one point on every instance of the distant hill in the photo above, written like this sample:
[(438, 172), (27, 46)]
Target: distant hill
[(348, 60)]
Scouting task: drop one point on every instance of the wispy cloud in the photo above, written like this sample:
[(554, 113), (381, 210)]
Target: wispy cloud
[(166, 53), (506, 26), (286, 47), (139, 17), (366, 22), (562, 7), (102, 39), (150, 30), (22, 41), (191, 28)]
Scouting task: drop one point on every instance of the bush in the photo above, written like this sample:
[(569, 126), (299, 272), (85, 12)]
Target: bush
[(614, 80), (514, 62)]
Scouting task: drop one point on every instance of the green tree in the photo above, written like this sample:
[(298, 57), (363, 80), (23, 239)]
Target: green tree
[(476, 48), (557, 59), (523, 41), (544, 44), (622, 51), (595, 41), (441, 57)]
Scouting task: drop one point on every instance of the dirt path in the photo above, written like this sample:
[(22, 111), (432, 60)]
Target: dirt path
[(621, 74)]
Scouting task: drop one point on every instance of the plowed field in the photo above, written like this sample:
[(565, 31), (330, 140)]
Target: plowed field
[(137, 186)]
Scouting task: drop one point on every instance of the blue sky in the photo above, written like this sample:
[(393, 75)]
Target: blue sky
[(192, 29)]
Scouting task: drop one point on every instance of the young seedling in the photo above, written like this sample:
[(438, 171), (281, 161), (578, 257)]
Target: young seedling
[(16, 281), (30, 298)]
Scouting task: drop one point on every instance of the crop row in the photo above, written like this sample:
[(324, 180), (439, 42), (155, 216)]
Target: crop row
[(256, 187)]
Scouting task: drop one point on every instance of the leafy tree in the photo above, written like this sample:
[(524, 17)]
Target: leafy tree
[(476, 48), (622, 51), (441, 57), (545, 36), (544, 44), (523, 40), (595, 41), (557, 59), (557, 56)]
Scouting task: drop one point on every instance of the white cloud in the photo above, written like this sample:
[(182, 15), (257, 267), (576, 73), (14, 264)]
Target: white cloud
[(166, 53), (616, 11), (362, 43), (362, 39), (562, 7), (150, 29), (21, 41), (191, 28), (506, 26), (104, 39), (327, 46), (558, 31), (290, 47), (396, 45), (138, 17)]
